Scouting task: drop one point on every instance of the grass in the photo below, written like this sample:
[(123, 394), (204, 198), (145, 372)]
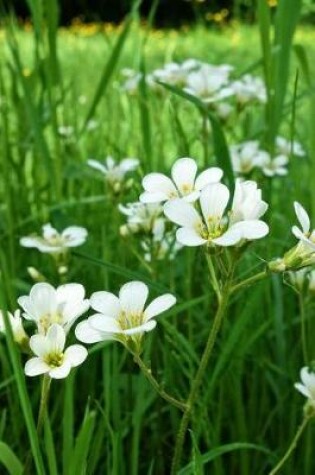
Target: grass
[(106, 418)]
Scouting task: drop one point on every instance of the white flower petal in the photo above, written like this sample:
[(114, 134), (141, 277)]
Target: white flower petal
[(211, 175), (213, 201), (231, 237), (38, 345), (55, 338), (154, 197), (61, 371), (104, 324), (298, 233), (145, 327), (251, 229), (35, 367), (97, 166), (43, 298), (308, 379), (302, 216), (74, 236), (184, 173), (30, 242), (129, 164), (303, 390), (75, 355), (87, 334), (159, 305), (133, 296), (159, 183), (106, 303), (189, 237), (182, 213)]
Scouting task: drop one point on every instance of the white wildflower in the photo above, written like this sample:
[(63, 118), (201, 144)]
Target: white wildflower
[(54, 242)]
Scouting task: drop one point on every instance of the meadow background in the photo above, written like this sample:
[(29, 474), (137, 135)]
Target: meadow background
[(105, 417)]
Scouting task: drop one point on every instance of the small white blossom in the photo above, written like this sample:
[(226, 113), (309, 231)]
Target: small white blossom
[(249, 89), (211, 226), (124, 318), (141, 217), (305, 234), (114, 172), (307, 386), (303, 278), (46, 305), (246, 156), (16, 324), (184, 183), (274, 166), (54, 242), (161, 245), (209, 83), (51, 357), (286, 147)]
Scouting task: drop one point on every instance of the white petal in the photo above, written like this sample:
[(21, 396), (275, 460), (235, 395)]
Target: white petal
[(104, 324), (129, 164), (61, 371), (182, 213), (302, 216), (251, 229), (70, 292), (184, 173), (155, 197), (213, 201), (75, 354), (159, 305), (231, 237), (97, 166), (30, 242), (74, 236), (145, 327), (189, 237), (106, 303), (28, 307), (211, 175), (308, 379), (38, 345), (303, 390), (85, 333), (56, 338), (298, 233), (157, 182), (36, 366), (43, 298), (133, 296)]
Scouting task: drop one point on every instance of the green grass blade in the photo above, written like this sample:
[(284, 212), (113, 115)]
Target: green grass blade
[(10, 460)]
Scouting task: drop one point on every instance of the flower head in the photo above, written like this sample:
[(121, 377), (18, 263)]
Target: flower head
[(141, 217), (209, 83), (113, 172), (307, 387), (54, 242), (184, 183), (16, 324), (273, 166), (46, 305), (124, 318), (304, 234), (249, 89), (246, 156), (212, 226), (51, 357)]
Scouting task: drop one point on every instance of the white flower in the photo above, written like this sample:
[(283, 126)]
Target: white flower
[(249, 88), (307, 387), (16, 324), (223, 110), (54, 242), (246, 156), (305, 234), (161, 244), (274, 166), (46, 305), (115, 173), (184, 184), (123, 318), (209, 83), (141, 217), (211, 226), (303, 278), (286, 147), (51, 357)]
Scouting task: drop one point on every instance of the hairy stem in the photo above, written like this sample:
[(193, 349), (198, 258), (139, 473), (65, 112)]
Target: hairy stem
[(248, 282)]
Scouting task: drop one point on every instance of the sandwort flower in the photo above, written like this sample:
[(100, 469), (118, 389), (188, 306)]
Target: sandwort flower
[(249, 89), (246, 156), (184, 183), (287, 147), (273, 166), (212, 226), (115, 173), (46, 305), (51, 356), (141, 217), (209, 83), (124, 318), (54, 242), (307, 386), (16, 324)]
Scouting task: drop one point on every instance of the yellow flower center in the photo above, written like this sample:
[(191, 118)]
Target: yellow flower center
[(48, 319), (54, 360), (130, 320)]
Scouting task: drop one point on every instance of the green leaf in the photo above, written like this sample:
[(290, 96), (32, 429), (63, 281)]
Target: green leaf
[(10, 460)]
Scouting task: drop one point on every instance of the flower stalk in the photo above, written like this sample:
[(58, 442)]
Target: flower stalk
[(43, 402)]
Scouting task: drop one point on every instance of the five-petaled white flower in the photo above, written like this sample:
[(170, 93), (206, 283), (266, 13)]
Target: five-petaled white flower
[(46, 305), (123, 318), (16, 324), (211, 226), (273, 166), (209, 83), (307, 387), (114, 172), (248, 89), (51, 357), (305, 234), (184, 184), (54, 242), (246, 156)]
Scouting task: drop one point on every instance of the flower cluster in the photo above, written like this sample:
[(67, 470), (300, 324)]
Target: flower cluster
[(248, 156)]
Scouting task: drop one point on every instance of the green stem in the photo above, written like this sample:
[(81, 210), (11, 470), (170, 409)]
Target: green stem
[(251, 280), (148, 374), (292, 446), (223, 303), (43, 402), (303, 328), (213, 277)]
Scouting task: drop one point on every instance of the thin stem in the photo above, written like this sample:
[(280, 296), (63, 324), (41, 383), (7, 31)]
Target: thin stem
[(148, 374), (205, 137), (43, 402), (292, 446), (303, 327), (218, 319), (251, 280), (213, 277)]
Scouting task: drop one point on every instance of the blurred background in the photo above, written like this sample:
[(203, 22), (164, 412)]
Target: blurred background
[(169, 12)]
